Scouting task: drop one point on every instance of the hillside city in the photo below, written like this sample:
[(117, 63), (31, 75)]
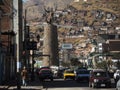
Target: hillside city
[(88, 26)]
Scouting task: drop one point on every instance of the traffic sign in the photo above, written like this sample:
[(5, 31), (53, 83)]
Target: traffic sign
[(67, 46)]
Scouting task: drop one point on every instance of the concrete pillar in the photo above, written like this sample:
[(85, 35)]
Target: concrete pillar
[(50, 45), (47, 44)]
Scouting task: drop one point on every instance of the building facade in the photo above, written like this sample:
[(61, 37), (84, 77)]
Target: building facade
[(8, 39)]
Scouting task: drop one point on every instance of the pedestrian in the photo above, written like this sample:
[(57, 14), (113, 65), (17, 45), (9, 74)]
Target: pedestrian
[(24, 76)]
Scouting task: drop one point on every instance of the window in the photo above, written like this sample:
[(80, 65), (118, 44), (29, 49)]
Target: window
[(100, 74)]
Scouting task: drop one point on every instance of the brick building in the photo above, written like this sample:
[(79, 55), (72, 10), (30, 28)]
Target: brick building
[(7, 41)]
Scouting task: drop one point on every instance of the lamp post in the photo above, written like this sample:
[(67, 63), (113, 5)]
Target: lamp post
[(26, 37), (0, 41), (33, 46), (26, 34), (32, 64), (0, 24), (26, 41)]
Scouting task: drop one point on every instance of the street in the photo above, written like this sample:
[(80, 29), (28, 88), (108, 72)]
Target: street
[(60, 84)]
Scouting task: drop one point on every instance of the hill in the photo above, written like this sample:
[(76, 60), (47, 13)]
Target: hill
[(35, 8), (86, 18)]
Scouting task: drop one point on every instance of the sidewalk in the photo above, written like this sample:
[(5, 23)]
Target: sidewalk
[(25, 88), (32, 85)]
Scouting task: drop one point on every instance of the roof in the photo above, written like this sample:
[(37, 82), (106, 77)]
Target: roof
[(114, 45), (111, 45)]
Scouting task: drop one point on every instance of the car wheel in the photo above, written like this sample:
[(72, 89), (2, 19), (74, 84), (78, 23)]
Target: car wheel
[(90, 85), (64, 78), (52, 79), (73, 78)]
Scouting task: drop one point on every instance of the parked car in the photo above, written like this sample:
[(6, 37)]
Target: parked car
[(45, 74), (82, 75), (99, 78), (37, 70), (69, 74), (118, 85), (117, 75)]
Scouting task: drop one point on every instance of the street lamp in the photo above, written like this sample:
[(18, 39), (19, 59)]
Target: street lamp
[(0, 35), (26, 34), (27, 41), (0, 24)]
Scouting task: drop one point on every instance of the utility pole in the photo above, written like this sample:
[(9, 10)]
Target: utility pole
[(26, 35), (17, 27), (0, 24), (0, 45)]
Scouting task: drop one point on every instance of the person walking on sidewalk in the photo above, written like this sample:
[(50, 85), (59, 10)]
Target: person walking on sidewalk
[(24, 76)]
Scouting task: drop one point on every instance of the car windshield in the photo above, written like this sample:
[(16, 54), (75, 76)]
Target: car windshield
[(118, 72), (69, 71), (46, 71), (83, 72), (100, 74)]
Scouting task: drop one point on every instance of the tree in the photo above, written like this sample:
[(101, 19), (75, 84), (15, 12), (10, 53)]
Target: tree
[(76, 62), (117, 56), (101, 65)]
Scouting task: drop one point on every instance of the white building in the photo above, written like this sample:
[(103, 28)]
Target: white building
[(100, 47)]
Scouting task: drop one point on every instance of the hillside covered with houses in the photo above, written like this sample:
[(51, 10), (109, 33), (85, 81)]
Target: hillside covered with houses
[(89, 25)]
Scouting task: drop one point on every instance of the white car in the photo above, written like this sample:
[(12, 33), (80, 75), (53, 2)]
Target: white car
[(118, 85), (117, 75)]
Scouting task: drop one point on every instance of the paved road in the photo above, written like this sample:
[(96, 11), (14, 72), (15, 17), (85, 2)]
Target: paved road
[(60, 84), (75, 89)]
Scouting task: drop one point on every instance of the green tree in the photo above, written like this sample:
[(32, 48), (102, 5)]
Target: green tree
[(76, 62), (101, 65), (117, 56), (66, 64)]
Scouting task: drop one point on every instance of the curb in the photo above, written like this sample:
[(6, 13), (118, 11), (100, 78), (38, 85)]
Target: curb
[(26, 88), (4, 87), (22, 88)]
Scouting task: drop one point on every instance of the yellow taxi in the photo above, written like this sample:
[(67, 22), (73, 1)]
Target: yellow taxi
[(69, 74)]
